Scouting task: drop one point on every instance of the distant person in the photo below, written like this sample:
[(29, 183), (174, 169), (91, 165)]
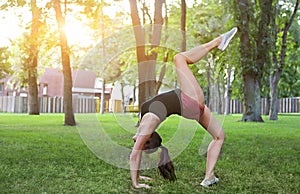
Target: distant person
[(188, 101)]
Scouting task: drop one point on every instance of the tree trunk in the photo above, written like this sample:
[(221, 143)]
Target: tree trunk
[(263, 41), (162, 73), (252, 110), (33, 100), (134, 94), (166, 53), (123, 97), (182, 25), (263, 38), (146, 63), (65, 51), (278, 70), (219, 95), (208, 84), (274, 79), (102, 101), (227, 91)]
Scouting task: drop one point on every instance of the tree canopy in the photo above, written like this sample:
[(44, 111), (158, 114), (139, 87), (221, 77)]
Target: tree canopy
[(256, 53)]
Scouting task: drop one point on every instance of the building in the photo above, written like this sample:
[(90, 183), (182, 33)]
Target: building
[(51, 84)]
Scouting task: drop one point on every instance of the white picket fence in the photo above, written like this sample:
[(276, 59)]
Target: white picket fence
[(285, 105), (18, 104)]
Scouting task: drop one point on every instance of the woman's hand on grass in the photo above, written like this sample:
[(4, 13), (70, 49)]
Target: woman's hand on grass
[(142, 185), (145, 178)]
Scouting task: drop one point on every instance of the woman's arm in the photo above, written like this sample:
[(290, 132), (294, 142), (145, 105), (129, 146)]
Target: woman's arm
[(135, 160), (147, 125)]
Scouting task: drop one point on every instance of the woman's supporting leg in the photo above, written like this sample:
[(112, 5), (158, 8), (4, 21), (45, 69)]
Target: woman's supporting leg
[(209, 122), (190, 87)]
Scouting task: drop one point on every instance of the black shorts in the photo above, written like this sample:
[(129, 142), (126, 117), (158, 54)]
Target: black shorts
[(173, 102), (163, 105)]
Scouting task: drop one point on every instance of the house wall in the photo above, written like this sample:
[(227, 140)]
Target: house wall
[(53, 80), (83, 79), (51, 84)]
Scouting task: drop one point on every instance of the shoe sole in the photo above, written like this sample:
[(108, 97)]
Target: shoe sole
[(229, 39)]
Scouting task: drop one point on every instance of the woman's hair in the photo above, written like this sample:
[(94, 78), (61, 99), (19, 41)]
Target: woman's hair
[(165, 164)]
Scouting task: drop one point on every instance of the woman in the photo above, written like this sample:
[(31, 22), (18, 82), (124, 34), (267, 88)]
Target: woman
[(187, 102)]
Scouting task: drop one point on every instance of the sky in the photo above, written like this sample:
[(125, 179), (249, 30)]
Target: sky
[(10, 29), (10, 25)]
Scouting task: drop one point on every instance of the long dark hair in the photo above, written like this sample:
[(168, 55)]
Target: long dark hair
[(165, 165)]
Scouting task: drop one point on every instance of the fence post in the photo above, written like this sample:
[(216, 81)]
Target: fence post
[(1, 104), (17, 107), (25, 103), (298, 104)]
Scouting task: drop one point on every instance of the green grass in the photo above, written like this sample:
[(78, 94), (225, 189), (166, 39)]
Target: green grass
[(40, 155)]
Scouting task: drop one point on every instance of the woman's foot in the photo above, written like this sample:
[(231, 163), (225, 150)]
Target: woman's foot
[(226, 38), (209, 182)]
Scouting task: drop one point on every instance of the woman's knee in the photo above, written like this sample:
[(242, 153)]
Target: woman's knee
[(179, 59), (221, 136)]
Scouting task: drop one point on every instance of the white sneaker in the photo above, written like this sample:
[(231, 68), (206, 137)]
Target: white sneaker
[(226, 37), (207, 182)]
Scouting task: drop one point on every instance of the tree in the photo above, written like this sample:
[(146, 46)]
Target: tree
[(102, 104), (251, 82), (33, 101), (29, 56), (65, 56), (146, 61), (279, 64), (254, 55), (166, 51)]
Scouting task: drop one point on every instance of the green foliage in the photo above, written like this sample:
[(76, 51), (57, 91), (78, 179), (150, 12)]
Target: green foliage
[(5, 65), (39, 155), (283, 13), (11, 3), (289, 85), (19, 58)]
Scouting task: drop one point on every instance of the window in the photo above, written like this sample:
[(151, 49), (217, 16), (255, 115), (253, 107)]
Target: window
[(45, 89)]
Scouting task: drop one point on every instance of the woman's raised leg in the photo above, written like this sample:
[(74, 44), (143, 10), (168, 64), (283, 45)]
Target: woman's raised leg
[(188, 83)]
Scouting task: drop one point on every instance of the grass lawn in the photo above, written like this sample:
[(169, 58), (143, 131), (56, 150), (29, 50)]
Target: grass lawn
[(40, 155)]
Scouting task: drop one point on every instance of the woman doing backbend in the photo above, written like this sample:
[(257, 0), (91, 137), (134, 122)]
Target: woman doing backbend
[(188, 101)]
